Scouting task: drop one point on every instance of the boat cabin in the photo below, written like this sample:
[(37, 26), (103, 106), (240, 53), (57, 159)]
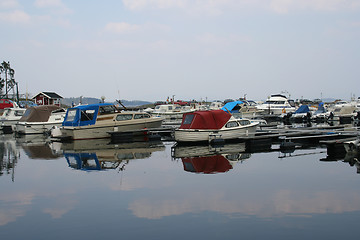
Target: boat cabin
[(6, 103), (214, 119), (83, 115)]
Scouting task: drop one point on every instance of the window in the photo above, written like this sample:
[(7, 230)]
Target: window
[(188, 119), (107, 109), (71, 115), (87, 115), (142, 115), (244, 122), (124, 117), (232, 124), (18, 113)]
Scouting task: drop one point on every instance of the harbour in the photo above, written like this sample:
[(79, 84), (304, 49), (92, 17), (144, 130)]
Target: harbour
[(250, 189)]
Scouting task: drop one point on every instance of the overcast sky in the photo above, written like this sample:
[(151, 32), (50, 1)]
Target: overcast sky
[(193, 49)]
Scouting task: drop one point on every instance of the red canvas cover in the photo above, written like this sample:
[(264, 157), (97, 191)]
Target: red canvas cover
[(207, 165), (213, 119)]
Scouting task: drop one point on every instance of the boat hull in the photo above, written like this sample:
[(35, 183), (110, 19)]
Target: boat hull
[(103, 131), (35, 127), (199, 135)]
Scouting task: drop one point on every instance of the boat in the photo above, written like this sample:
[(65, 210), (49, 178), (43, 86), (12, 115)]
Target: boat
[(96, 121), (321, 114), (172, 113), (6, 103), (344, 113), (216, 105), (10, 117), (40, 119), (242, 109), (302, 114), (277, 104), (213, 126)]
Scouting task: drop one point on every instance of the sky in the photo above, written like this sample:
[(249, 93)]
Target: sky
[(190, 49)]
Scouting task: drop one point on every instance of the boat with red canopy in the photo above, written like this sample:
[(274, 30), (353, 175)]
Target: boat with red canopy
[(201, 126)]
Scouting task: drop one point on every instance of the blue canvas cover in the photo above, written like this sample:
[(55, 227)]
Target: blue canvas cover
[(230, 106), (83, 161), (321, 108), (83, 115), (303, 109)]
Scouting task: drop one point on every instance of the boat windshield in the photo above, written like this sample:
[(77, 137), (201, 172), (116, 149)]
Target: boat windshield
[(107, 109), (18, 113), (71, 115), (274, 102)]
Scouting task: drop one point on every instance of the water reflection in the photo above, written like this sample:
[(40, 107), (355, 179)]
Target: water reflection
[(101, 154), (38, 146), (9, 155), (209, 159)]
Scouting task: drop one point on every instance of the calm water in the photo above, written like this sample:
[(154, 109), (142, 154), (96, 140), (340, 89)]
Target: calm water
[(141, 190)]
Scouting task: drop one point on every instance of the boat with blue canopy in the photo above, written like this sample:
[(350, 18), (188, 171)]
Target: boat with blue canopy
[(95, 121)]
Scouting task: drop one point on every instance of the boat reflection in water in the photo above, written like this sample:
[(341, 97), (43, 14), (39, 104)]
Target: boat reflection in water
[(100, 154), (209, 159), (9, 155), (38, 146)]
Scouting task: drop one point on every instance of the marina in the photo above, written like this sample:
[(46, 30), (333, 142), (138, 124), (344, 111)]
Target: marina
[(254, 188)]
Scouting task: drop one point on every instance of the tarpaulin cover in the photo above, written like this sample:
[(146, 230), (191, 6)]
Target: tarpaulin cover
[(214, 119), (38, 113), (303, 109), (210, 164), (231, 105)]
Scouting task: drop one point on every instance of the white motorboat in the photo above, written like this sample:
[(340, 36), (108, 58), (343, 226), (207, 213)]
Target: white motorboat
[(343, 112), (10, 117), (276, 105), (213, 125), (95, 121), (172, 113), (40, 119), (216, 105)]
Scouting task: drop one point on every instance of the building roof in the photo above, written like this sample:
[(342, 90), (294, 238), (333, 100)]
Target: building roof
[(51, 95)]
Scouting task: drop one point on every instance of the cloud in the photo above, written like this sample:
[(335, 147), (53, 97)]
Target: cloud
[(162, 4), (286, 6), (218, 7), (282, 202), (57, 5), (9, 4), (121, 27), (16, 16)]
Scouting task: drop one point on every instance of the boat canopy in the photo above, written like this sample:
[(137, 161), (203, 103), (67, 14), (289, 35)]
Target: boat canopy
[(303, 109), (83, 115), (232, 106), (38, 113), (213, 119)]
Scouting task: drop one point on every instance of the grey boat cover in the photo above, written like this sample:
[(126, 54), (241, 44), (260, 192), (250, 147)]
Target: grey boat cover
[(38, 113)]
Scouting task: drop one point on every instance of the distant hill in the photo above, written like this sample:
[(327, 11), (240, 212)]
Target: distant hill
[(89, 100)]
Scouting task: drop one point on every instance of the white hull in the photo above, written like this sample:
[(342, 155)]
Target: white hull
[(35, 127), (198, 135), (102, 131)]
